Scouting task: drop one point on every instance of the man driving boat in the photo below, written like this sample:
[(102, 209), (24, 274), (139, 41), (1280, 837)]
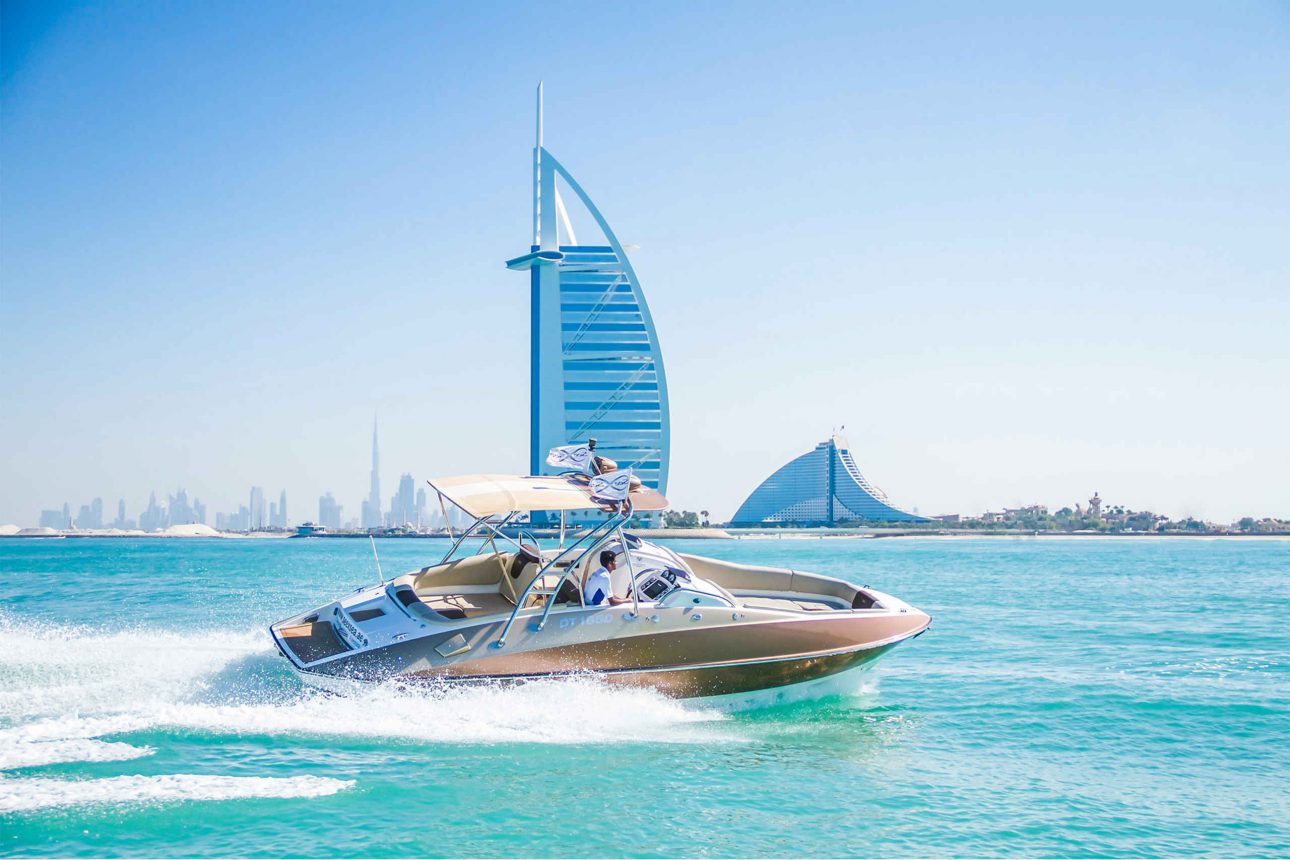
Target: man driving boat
[(599, 587)]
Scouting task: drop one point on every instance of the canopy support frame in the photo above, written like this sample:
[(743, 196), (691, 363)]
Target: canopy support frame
[(606, 527)]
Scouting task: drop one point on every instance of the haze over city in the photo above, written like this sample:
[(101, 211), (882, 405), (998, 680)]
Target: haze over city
[(217, 266)]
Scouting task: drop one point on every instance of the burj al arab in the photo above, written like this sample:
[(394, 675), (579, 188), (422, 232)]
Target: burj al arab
[(597, 370)]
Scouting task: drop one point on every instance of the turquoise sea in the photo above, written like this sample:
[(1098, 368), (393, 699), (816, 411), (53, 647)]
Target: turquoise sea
[(1076, 697)]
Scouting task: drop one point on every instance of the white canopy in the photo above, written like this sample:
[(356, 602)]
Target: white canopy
[(489, 495)]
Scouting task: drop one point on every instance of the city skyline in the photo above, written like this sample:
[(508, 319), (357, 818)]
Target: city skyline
[(407, 507), (1018, 255), (787, 497)]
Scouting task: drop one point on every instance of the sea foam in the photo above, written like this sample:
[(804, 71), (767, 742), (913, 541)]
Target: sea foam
[(26, 795), (64, 684), (16, 752), (64, 689)]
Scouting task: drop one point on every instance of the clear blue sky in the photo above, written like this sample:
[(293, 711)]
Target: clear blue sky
[(1023, 252)]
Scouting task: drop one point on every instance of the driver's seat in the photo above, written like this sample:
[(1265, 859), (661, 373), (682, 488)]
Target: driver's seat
[(522, 569)]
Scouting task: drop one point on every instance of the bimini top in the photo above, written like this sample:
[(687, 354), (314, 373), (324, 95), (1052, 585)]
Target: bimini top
[(489, 495)]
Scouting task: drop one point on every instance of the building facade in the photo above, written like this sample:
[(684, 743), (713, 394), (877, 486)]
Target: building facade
[(259, 516), (820, 488), (403, 503), (596, 368), (329, 513), (371, 516)]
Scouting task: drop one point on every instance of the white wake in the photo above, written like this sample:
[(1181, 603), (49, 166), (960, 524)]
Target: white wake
[(63, 688), (26, 795), (17, 751)]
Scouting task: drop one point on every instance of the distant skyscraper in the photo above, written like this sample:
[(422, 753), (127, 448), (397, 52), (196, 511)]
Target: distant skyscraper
[(282, 510), (154, 517), (120, 521), (90, 516), (237, 522), (181, 511), (258, 520), (328, 512), (53, 520), (372, 507), (596, 367), (421, 507), (403, 503)]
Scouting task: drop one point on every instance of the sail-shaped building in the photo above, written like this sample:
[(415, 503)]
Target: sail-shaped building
[(820, 488), (597, 371)]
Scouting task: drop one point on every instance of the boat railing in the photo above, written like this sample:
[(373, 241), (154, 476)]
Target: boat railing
[(607, 527), (493, 529)]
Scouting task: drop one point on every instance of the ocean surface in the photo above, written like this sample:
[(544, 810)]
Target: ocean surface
[(1075, 697)]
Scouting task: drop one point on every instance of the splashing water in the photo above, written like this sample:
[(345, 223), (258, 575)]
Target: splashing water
[(27, 795), (17, 751), (63, 688)]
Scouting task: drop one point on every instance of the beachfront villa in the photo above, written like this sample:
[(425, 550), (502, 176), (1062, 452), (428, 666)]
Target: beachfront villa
[(822, 487)]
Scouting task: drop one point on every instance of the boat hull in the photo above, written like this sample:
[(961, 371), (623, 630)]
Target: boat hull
[(681, 659)]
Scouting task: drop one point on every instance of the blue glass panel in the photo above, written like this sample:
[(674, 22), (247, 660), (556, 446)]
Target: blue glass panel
[(610, 386), (595, 288), (603, 327), (616, 406), (617, 425), (631, 348)]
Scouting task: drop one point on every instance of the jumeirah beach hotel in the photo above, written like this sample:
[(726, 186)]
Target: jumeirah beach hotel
[(597, 372), (822, 487)]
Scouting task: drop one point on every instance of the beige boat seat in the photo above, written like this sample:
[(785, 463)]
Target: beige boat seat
[(473, 570), (525, 568), (521, 569), (470, 605), (463, 588), (488, 583)]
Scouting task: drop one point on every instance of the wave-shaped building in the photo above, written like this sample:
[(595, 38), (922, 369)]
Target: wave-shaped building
[(597, 371), (820, 488)]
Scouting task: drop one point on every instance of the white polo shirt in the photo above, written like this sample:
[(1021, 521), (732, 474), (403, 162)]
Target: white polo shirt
[(599, 588)]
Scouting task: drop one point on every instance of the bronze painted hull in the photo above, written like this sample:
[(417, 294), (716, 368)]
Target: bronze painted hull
[(724, 680), (716, 660)]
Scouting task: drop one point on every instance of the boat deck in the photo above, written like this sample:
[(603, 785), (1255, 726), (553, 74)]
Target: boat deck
[(472, 605), (798, 604)]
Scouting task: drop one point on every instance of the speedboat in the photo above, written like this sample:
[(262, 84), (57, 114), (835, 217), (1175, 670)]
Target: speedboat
[(499, 607)]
